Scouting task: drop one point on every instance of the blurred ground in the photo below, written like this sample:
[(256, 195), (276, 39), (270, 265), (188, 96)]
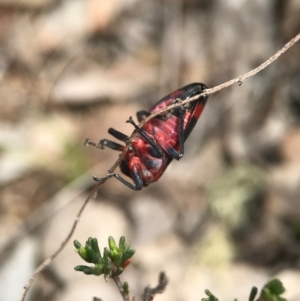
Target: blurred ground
[(226, 217)]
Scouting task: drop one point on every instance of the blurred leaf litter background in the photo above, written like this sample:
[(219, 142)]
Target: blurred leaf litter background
[(226, 217)]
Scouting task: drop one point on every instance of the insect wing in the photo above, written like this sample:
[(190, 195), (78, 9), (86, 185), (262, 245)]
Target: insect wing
[(194, 110), (167, 100), (193, 116)]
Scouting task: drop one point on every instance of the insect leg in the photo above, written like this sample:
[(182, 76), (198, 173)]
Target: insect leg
[(136, 177), (118, 135), (92, 143), (105, 142), (111, 145), (157, 148)]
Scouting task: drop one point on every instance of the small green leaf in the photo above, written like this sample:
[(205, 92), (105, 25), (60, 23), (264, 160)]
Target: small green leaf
[(79, 268), (272, 291), (128, 255), (77, 244), (85, 269), (96, 252), (253, 293), (275, 286), (112, 244), (211, 297), (107, 268), (118, 259), (98, 269), (113, 254), (126, 288), (126, 246), (83, 253), (106, 254), (122, 243), (107, 265), (94, 244)]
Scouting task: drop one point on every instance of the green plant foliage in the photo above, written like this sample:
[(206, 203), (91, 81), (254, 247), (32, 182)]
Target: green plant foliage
[(112, 263), (117, 256), (272, 291), (253, 293), (126, 288), (211, 297)]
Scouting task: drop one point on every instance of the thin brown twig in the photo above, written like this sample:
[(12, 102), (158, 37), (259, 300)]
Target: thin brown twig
[(120, 286), (240, 79), (161, 286), (47, 261)]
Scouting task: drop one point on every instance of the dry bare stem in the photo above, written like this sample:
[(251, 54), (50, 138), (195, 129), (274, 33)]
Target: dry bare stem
[(47, 262), (149, 292), (240, 79), (120, 286)]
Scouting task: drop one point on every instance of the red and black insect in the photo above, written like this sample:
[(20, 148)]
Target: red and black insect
[(159, 140)]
